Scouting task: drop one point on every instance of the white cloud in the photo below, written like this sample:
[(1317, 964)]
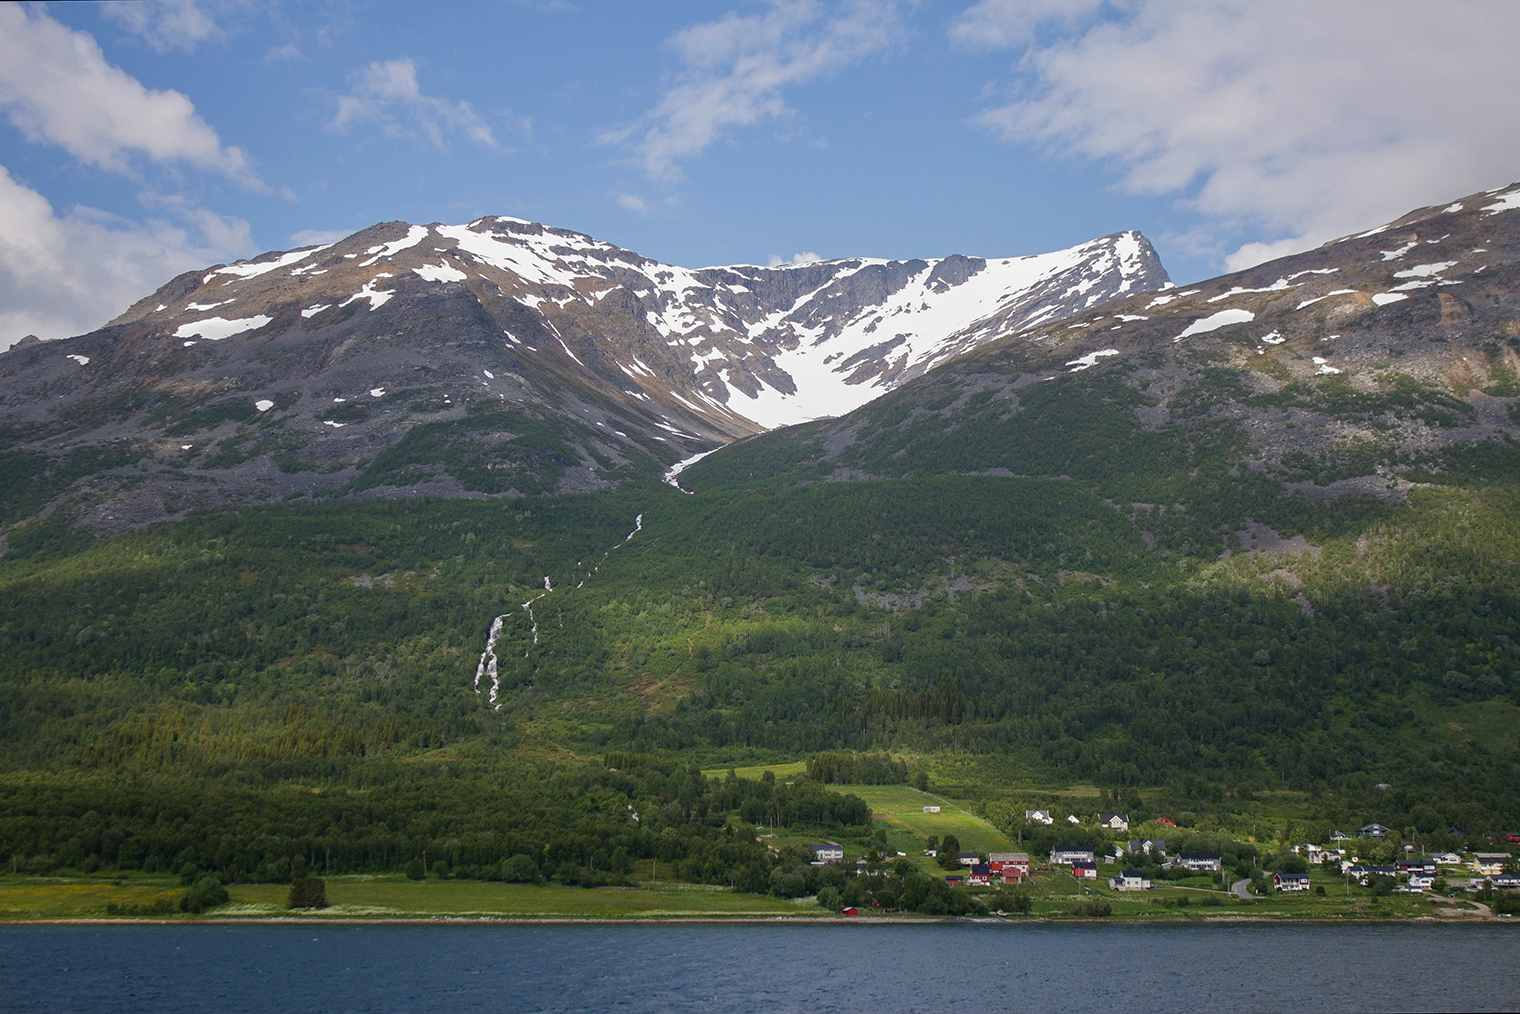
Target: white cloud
[(1299, 121), (736, 68), (67, 275), (633, 202), (999, 23), (797, 258), (166, 24), (55, 86), (386, 93)]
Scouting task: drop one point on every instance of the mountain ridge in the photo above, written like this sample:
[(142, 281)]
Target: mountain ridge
[(319, 370)]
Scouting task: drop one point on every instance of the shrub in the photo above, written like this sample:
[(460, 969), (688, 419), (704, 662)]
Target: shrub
[(308, 892), (207, 892), (519, 869)]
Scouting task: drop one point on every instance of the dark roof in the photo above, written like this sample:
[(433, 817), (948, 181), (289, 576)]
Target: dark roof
[(1133, 873), (1198, 855), (984, 870)]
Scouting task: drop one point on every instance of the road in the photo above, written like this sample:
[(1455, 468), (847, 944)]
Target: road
[(1242, 889)]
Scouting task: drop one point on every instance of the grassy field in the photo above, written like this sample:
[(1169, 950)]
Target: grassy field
[(783, 772), (26, 898), (901, 808), (1054, 894)]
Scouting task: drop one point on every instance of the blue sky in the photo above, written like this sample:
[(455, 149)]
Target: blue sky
[(140, 140)]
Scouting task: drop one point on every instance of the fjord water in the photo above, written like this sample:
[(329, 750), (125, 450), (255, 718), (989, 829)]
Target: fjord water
[(686, 967)]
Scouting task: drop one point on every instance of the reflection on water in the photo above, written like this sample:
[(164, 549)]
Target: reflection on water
[(684, 967)]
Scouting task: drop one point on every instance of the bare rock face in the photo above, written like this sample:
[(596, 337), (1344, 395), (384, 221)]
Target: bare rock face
[(497, 358)]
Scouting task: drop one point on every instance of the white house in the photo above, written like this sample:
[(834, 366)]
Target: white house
[(1072, 818), (931, 809), (829, 853), (1064, 854), (1421, 881), (1290, 881), (1130, 880), (1114, 821), (1199, 861), (1039, 817)]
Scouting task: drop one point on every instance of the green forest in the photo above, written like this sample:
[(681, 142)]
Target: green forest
[(299, 689)]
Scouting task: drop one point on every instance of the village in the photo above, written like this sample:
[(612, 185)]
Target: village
[(1368, 870)]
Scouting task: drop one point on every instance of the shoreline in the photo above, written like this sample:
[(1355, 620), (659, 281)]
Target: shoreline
[(780, 920)]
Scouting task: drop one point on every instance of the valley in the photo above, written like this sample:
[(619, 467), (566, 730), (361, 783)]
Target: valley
[(1239, 556)]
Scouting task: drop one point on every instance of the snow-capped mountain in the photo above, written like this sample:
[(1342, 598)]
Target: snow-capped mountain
[(492, 358), (743, 346)]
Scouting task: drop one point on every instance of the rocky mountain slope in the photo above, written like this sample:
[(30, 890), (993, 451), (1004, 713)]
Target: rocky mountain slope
[(494, 358), (1367, 365)]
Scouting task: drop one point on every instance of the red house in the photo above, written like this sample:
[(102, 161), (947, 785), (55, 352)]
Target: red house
[(1085, 871), (1006, 864)]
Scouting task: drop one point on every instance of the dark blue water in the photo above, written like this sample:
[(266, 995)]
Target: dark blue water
[(962, 968)]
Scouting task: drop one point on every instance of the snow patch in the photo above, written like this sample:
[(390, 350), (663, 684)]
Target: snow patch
[(1324, 368), (1277, 286), (81, 360), (312, 311), (377, 392), (441, 273), (1215, 321), (1090, 360), (246, 270), (414, 235), (1509, 202), (1384, 298), (672, 474), (263, 404), (1316, 299), (1424, 270), (216, 328), (1273, 339), (1393, 255), (1163, 300), (376, 298)]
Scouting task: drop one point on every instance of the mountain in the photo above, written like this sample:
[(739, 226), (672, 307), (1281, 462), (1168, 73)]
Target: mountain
[(1242, 555), (500, 357), (1365, 367)]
